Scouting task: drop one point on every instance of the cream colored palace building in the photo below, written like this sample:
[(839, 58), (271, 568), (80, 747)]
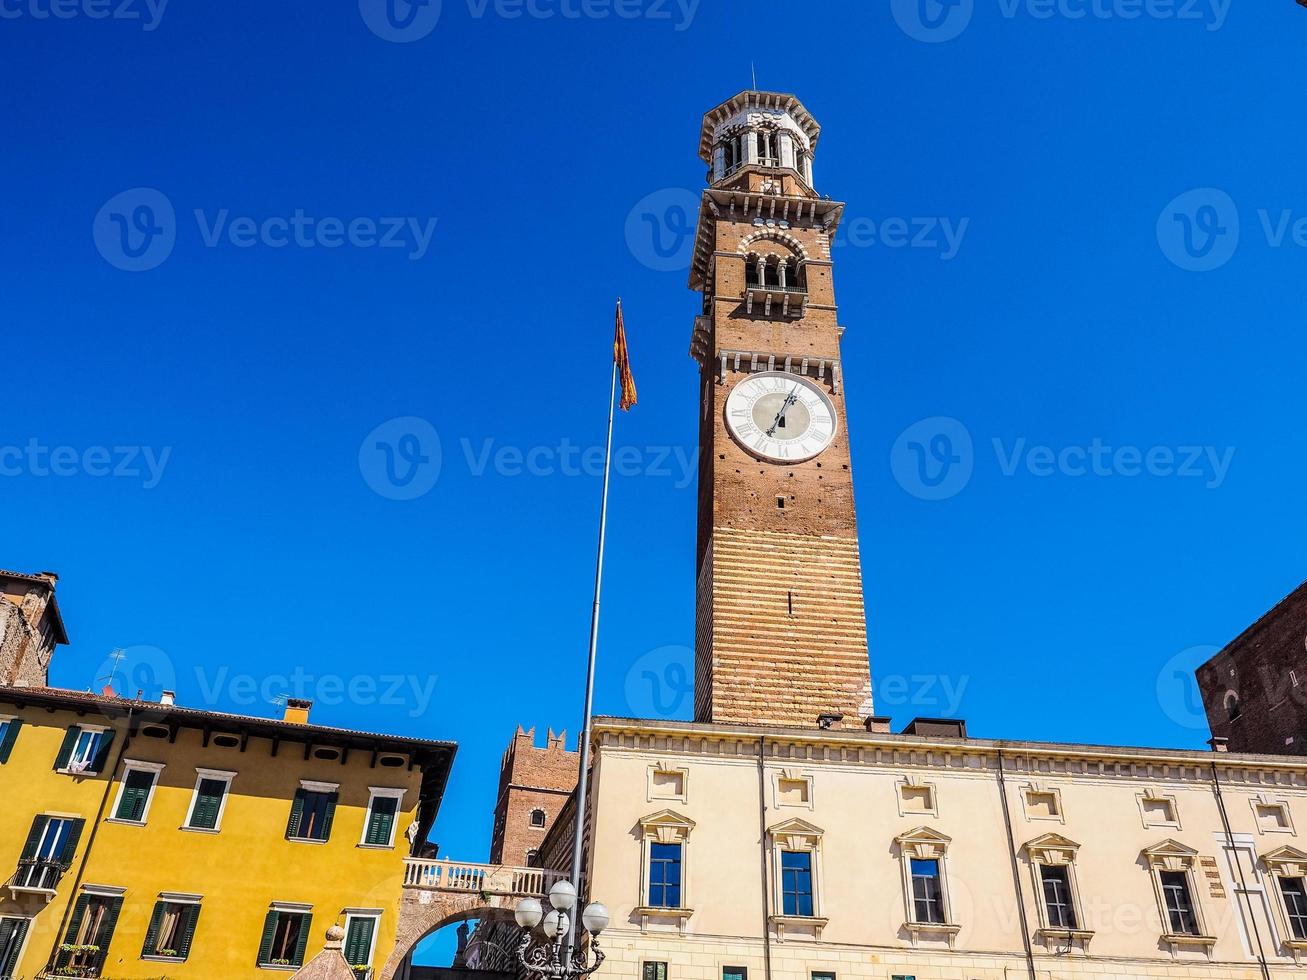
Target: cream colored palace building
[(787, 833)]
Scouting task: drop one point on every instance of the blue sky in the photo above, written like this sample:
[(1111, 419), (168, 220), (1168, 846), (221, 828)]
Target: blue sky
[(1072, 269)]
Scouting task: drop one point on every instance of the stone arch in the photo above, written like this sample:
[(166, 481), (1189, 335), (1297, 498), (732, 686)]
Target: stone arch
[(422, 913), (774, 234)]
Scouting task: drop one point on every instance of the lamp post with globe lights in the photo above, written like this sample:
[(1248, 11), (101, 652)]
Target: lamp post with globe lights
[(554, 959)]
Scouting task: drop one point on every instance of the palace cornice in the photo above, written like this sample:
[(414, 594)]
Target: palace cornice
[(970, 755)]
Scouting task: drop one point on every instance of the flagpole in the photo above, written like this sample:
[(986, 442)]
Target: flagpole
[(578, 833)]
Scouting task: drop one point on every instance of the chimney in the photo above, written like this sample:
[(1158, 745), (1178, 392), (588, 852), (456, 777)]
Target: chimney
[(879, 724), (1219, 744), (297, 711), (168, 697)]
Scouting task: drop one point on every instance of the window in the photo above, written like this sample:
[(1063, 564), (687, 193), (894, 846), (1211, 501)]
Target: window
[(822, 975), (383, 809), (796, 882), (48, 853), (665, 876), (1295, 905), (8, 735), (90, 930), (12, 934), (136, 791), (1232, 707), (172, 928), (927, 895), (209, 801), (653, 971), (735, 973), (85, 750), (537, 818), (360, 937), (1179, 904), (312, 812), (533, 858), (1057, 897), (285, 936)]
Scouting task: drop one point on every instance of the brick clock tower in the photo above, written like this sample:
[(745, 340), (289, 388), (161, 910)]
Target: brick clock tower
[(781, 635)]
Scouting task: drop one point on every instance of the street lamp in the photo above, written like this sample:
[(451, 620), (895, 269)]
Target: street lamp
[(549, 959)]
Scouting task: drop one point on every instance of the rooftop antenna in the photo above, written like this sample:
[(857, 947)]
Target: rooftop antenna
[(118, 655), (753, 65)]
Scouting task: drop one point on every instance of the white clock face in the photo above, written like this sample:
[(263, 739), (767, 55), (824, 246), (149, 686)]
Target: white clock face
[(780, 417)]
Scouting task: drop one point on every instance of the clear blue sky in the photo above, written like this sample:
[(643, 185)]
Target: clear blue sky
[(1072, 313)]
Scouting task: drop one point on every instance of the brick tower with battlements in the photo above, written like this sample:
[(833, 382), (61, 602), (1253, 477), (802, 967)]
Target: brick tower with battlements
[(534, 785), (781, 633)]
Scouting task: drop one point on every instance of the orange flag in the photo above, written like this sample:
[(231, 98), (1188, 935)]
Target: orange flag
[(622, 357)]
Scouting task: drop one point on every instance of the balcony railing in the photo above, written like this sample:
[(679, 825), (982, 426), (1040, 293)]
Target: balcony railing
[(792, 300), (37, 875), (487, 879)]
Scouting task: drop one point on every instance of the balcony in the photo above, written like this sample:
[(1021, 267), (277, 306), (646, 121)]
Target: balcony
[(482, 879), (73, 960), (790, 300), (37, 876)]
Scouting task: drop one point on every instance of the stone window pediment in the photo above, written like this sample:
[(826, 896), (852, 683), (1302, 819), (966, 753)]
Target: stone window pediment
[(1286, 862), (796, 835), (1170, 855), (666, 827), (1052, 850), (923, 843)]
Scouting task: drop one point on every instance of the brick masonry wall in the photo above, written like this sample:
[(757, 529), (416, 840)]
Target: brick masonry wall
[(24, 652), (531, 778), (1265, 668)]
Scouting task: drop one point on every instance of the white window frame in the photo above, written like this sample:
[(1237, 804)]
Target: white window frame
[(666, 769), (223, 775), (129, 766), (792, 776), (382, 793), (1035, 789), (375, 916), (72, 758), (1171, 855), (1286, 862), (800, 836), (290, 908), (925, 844), (914, 783), (664, 827), (1056, 851)]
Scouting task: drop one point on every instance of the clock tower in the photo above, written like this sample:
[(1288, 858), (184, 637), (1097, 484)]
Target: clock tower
[(781, 635)]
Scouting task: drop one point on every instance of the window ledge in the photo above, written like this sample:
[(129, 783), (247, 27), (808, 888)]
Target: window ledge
[(1294, 943), (1176, 940), (305, 840), (83, 773), (647, 912), (46, 893), (933, 930), (163, 959), (1053, 937), (798, 923), (287, 967), (365, 847), (200, 830), (125, 822)]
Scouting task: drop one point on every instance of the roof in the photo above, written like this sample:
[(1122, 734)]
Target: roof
[(46, 579), (1262, 622), (425, 751), (771, 100)]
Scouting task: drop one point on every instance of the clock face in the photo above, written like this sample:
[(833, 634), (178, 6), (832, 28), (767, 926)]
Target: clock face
[(780, 417)]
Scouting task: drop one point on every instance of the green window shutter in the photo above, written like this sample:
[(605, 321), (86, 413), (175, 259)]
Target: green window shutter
[(151, 946), (70, 845), (190, 916), (12, 934), (34, 837), (381, 820), (296, 813), (306, 922), (329, 816), (107, 925), (358, 942), (101, 761), (208, 803), (66, 749), (269, 932), (79, 913), (136, 791), (7, 743)]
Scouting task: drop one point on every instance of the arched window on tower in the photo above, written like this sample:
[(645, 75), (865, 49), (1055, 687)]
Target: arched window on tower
[(1232, 707), (533, 858), (769, 148), (795, 275), (772, 271), (753, 270), (537, 818)]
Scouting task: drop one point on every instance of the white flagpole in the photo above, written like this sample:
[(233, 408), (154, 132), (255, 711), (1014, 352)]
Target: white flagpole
[(582, 783)]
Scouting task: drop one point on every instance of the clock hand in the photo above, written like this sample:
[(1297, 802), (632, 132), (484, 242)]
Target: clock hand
[(780, 416)]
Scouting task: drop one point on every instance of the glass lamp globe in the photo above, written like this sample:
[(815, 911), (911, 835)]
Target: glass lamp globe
[(595, 918), (563, 895), (556, 923), (528, 913)]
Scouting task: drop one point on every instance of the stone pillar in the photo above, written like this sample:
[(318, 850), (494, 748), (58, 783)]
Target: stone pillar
[(787, 150), (719, 162), (807, 170), (751, 153)]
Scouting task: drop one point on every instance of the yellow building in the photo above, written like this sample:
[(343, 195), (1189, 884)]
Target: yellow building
[(148, 840)]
